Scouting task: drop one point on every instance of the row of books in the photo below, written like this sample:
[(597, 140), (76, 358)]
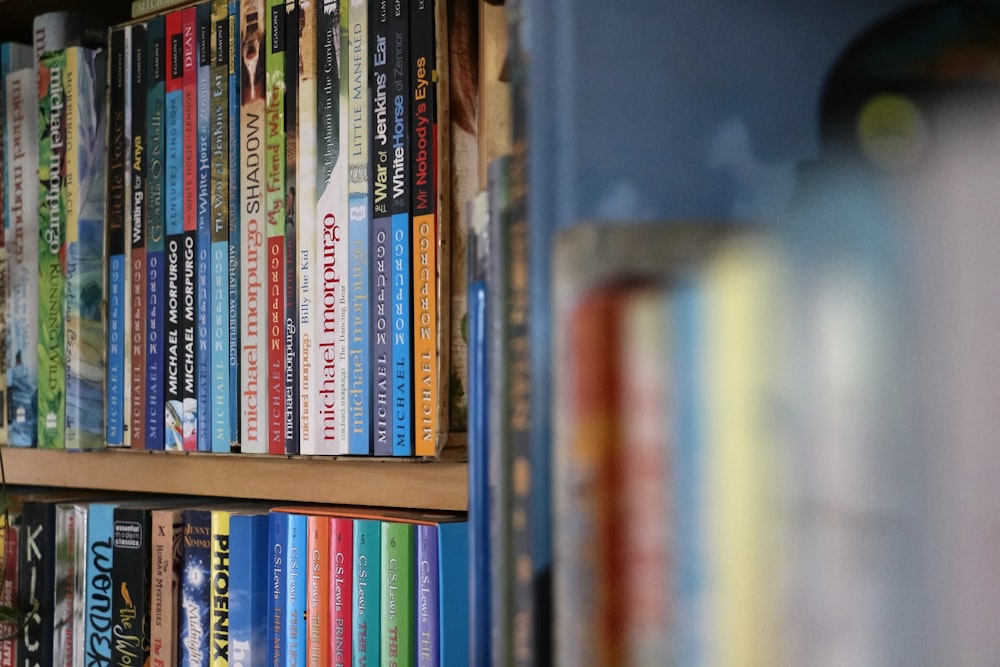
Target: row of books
[(265, 195), (182, 580)]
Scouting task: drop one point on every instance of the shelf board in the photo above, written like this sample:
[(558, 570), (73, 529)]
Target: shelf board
[(440, 485)]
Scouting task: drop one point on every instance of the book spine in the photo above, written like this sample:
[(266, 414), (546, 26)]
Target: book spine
[(366, 630), (118, 157), (253, 268), (219, 399), (274, 202), (294, 637), (428, 607), (318, 593), (423, 170), (358, 233), (100, 554), (204, 228), (36, 583), (397, 593), (381, 231), (342, 597), (125, 348), (174, 185), (235, 297), (130, 591), (249, 589), (52, 231), (195, 592), (84, 247), (77, 613), (65, 544), (455, 607), (167, 529), (328, 429), (278, 593), (305, 226), (290, 371), (145, 7), (156, 119), (137, 296), (189, 250), (8, 590), (401, 371), (218, 638), (22, 216)]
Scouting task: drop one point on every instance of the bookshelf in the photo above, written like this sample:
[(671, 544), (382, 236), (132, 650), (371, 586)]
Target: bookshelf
[(411, 483)]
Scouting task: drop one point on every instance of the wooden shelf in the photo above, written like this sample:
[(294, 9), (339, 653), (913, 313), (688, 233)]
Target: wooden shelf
[(441, 484)]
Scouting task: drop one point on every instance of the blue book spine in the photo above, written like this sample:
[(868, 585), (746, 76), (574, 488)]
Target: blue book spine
[(427, 609), (367, 592), (221, 435), (295, 627), (203, 233), (686, 320), (173, 420), (479, 499), (249, 588), (155, 270), (118, 157), (100, 534), (278, 590), (85, 250), (195, 595), (402, 274), (359, 223), (233, 46), (381, 234), (454, 608)]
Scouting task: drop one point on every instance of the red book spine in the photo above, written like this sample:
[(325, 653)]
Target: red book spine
[(341, 591)]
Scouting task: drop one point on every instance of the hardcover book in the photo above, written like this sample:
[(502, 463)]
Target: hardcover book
[(155, 230), (358, 234), (380, 249), (254, 33), (137, 389), (21, 168), (83, 250)]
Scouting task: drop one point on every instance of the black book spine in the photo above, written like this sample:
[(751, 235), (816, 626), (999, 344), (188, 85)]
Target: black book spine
[(130, 590)]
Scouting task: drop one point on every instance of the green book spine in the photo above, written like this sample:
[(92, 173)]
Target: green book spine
[(397, 594), (52, 282)]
